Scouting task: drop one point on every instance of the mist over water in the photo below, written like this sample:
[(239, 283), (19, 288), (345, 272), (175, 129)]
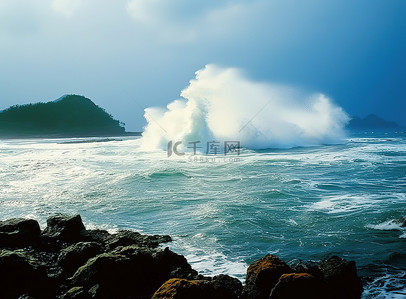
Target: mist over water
[(221, 104)]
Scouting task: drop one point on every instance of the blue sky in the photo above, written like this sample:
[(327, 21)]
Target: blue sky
[(129, 55)]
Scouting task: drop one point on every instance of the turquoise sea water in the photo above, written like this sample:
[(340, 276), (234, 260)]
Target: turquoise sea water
[(301, 203)]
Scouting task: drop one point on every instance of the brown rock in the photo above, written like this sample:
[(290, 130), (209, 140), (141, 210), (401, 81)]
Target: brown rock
[(262, 276), (177, 288), (218, 287)]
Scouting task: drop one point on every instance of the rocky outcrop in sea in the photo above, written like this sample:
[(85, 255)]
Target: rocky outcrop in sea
[(65, 260)]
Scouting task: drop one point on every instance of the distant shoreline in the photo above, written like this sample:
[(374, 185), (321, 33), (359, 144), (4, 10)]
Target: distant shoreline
[(58, 136)]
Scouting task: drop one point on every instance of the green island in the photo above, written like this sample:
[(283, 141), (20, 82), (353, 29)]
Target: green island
[(68, 116)]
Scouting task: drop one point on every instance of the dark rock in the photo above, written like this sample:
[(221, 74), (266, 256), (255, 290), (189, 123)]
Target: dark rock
[(19, 277), (402, 221), (42, 259), (76, 255), (76, 293), (65, 247), (173, 265), (299, 266), (102, 268), (177, 288), (19, 232), (131, 265), (262, 276), (126, 238), (64, 228), (113, 273), (299, 285), (131, 271), (341, 277), (94, 291), (95, 235), (226, 287), (162, 263)]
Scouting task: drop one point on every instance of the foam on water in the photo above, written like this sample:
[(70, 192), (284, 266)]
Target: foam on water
[(387, 225), (390, 225), (222, 104), (343, 204), (296, 203), (212, 262), (389, 286)]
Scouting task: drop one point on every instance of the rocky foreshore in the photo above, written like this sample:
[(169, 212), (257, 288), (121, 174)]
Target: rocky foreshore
[(67, 261)]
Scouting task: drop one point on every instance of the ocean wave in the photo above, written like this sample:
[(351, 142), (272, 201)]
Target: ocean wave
[(342, 204), (389, 286), (387, 225), (209, 261), (222, 104), (373, 140), (390, 225), (167, 173)]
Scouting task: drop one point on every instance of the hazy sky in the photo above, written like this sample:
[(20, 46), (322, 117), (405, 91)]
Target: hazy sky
[(127, 55)]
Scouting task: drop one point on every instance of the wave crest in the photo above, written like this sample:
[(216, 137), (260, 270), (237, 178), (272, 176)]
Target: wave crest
[(222, 104)]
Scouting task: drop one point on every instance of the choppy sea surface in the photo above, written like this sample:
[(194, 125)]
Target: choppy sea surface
[(224, 213)]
